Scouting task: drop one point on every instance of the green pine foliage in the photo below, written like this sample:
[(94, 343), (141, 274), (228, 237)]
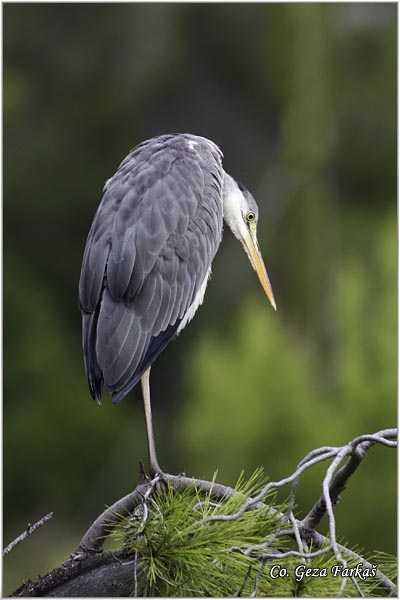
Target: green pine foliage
[(183, 557)]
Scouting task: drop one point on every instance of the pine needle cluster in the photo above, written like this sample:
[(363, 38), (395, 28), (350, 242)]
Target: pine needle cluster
[(180, 556)]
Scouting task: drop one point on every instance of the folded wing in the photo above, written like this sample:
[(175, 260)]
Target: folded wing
[(148, 253)]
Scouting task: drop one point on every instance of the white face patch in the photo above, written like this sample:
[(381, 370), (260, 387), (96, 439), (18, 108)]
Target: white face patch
[(235, 206)]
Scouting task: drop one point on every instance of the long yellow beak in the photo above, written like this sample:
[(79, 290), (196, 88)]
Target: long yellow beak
[(250, 244)]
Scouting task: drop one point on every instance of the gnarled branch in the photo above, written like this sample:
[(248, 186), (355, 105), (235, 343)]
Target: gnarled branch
[(91, 572)]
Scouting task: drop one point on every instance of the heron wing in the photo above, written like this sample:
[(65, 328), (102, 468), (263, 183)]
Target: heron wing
[(148, 253)]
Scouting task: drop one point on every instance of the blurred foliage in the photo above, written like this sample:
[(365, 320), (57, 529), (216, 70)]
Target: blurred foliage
[(302, 100), (257, 391)]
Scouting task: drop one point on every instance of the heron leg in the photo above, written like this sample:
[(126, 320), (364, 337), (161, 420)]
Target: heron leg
[(145, 382)]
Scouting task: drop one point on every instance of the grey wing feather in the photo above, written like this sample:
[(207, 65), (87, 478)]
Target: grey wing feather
[(149, 250)]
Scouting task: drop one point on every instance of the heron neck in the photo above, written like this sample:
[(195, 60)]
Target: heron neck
[(234, 205)]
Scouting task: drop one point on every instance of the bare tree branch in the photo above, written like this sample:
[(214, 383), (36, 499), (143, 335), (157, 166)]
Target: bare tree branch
[(94, 538), (356, 449), (332, 486), (28, 531), (91, 572), (250, 502)]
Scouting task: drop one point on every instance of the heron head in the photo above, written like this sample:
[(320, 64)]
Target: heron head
[(241, 214)]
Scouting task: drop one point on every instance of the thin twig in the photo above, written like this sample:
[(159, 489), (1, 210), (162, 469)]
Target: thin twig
[(355, 583), (357, 449), (257, 580), (267, 555), (135, 589), (318, 540), (332, 486), (178, 585), (310, 455), (241, 589), (28, 531), (146, 496), (301, 544), (271, 485)]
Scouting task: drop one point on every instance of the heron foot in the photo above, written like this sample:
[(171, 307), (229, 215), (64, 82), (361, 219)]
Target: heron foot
[(155, 471)]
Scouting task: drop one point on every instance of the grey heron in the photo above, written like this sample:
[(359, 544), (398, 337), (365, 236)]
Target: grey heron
[(148, 258)]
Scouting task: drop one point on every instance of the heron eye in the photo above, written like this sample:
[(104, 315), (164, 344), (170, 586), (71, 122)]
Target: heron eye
[(251, 215)]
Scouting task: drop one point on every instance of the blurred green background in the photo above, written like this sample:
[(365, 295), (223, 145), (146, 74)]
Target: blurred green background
[(302, 100)]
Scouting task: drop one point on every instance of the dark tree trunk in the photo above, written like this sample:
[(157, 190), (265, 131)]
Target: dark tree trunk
[(108, 574)]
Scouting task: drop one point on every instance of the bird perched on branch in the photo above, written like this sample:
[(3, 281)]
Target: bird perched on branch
[(148, 258)]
